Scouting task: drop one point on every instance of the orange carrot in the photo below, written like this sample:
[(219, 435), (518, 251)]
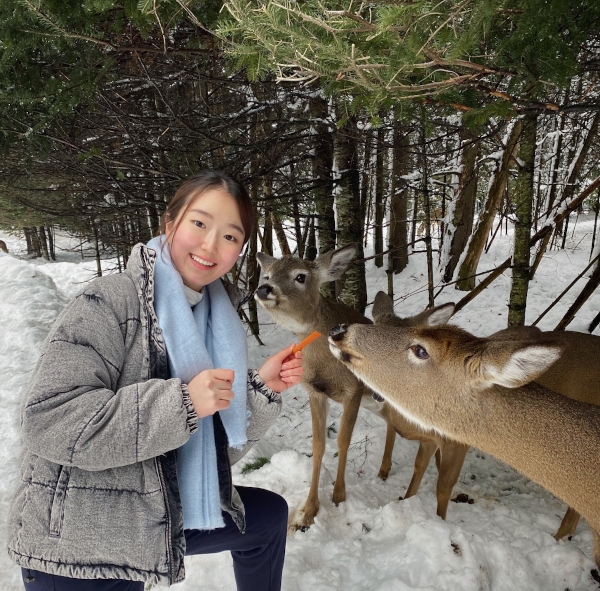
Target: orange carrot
[(307, 341)]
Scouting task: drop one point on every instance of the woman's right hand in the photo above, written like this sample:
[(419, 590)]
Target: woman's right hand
[(210, 391)]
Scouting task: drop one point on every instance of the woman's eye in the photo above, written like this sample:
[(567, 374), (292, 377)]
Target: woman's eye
[(199, 224), (300, 278), (230, 238), (420, 352)]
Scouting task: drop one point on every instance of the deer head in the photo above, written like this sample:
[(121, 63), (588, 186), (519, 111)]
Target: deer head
[(431, 374), (290, 286)]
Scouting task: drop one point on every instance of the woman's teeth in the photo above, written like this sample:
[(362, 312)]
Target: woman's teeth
[(202, 261)]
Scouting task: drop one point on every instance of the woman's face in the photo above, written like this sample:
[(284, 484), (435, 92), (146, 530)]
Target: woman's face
[(208, 240)]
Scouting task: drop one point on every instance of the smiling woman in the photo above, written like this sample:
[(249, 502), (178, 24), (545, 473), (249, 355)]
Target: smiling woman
[(207, 238), (206, 223)]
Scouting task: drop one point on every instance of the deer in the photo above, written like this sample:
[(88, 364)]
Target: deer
[(3, 246), (482, 392), (289, 292), (579, 348)]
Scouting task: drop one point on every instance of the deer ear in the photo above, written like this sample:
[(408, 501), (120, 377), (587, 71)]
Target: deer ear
[(264, 260), (333, 263), (514, 364), (440, 314), (382, 304)]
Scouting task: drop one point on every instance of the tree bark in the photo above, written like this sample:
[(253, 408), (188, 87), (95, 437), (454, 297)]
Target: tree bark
[(352, 286), (379, 195), (398, 255), (464, 201), (322, 166), (97, 251), (469, 266), (43, 242), (251, 264), (524, 203), (280, 233)]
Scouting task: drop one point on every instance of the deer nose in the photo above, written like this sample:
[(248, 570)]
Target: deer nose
[(337, 332), (263, 291)]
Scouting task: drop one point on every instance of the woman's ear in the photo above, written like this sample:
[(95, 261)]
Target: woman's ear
[(168, 227)]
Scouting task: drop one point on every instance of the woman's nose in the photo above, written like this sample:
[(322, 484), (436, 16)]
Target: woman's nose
[(210, 242)]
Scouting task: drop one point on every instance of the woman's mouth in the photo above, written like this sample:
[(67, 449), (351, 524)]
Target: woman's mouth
[(201, 263)]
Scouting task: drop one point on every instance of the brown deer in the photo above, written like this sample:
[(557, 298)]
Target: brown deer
[(481, 392), (3, 246), (289, 291), (578, 349)]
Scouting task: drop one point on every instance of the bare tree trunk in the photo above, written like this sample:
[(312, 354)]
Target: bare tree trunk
[(379, 195), (322, 167), (398, 255), (469, 266), (352, 286), (524, 203), (251, 264), (28, 241), (97, 251), (427, 219), (311, 243), (51, 248), (44, 242), (464, 200), (280, 233)]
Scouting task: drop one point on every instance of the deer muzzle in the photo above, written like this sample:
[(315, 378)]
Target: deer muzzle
[(263, 292)]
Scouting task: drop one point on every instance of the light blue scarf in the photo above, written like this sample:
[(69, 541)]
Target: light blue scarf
[(208, 336)]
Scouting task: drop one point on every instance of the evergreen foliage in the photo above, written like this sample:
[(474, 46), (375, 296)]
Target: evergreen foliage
[(465, 52)]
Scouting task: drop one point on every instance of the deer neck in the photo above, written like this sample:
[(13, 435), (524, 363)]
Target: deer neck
[(546, 436), (302, 320)]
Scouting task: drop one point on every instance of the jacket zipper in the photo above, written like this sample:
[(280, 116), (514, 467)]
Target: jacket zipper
[(171, 558)]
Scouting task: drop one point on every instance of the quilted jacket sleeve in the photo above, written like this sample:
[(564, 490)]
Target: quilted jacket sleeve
[(76, 414)]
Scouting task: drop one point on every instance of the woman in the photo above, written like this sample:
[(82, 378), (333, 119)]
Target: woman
[(139, 401)]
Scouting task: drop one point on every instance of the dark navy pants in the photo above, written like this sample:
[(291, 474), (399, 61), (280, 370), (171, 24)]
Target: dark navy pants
[(257, 554)]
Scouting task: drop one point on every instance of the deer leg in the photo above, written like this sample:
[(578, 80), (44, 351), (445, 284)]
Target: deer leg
[(351, 407), (426, 450), (318, 413), (568, 525), (386, 460), (453, 458)]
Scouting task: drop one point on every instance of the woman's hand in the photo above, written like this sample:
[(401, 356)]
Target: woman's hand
[(210, 391), (282, 370)]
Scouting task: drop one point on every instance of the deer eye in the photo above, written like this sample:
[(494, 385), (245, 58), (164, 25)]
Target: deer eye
[(300, 278), (420, 352), (265, 278)]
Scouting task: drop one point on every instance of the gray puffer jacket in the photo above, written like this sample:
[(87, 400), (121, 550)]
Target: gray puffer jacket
[(101, 420)]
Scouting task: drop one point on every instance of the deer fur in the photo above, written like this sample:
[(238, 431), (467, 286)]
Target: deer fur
[(301, 308), (482, 393), (578, 349), (3, 246)]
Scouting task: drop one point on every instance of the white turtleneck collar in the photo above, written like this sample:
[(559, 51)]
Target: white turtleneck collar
[(193, 297)]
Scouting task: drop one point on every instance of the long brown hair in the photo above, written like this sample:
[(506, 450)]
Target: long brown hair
[(198, 184)]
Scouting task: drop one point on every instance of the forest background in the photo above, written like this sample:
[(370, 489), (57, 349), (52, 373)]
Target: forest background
[(421, 124)]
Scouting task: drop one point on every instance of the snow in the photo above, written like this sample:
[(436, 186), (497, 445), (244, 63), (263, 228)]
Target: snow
[(373, 541)]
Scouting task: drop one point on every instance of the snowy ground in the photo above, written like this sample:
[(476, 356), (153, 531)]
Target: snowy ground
[(373, 541)]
